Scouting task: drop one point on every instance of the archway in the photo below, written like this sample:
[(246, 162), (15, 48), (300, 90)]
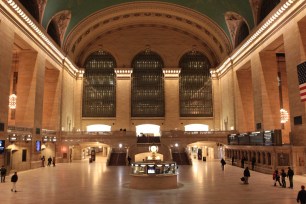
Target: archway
[(98, 128), (196, 127), (148, 130)]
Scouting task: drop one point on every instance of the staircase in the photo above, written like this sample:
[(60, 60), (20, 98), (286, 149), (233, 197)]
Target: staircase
[(181, 158), (117, 159)]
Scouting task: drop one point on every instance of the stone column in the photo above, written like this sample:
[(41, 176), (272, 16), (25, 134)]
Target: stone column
[(172, 100), (30, 90), (123, 99), (51, 102), (270, 91), (78, 95), (257, 87), (295, 48), (6, 58), (216, 101)]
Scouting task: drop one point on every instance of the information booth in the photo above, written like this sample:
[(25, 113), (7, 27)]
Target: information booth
[(149, 175)]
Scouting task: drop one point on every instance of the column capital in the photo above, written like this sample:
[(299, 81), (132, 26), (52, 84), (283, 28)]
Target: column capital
[(123, 72), (213, 73), (80, 73), (171, 72)]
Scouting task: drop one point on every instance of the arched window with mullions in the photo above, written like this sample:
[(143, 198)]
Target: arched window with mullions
[(147, 85), (99, 89), (195, 86)]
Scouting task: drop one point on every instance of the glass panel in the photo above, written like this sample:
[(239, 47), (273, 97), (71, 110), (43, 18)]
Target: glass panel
[(195, 86), (147, 85), (99, 91)]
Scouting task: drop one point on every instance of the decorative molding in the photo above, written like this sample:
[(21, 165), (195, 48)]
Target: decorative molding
[(30, 28), (123, 73), (171, 72), (286, 10)]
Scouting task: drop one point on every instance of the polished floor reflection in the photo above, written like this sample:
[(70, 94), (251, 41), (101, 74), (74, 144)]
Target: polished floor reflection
[(203, 182)]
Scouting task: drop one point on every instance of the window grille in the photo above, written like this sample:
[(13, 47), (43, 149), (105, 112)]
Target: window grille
[(99, 89), (147, 85), (195, 86)]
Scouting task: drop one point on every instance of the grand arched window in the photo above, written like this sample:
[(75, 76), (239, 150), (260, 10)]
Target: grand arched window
[(147, 85), (195, 86), (99, 92)]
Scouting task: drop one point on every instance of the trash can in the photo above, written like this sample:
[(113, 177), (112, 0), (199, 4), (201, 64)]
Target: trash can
[(204, 159), (90, 160)]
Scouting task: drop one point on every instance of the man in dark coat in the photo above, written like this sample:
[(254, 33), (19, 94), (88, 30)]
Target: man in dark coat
[(14, 180), (222, 163), (290, 174), (301, 196), (246, 174)]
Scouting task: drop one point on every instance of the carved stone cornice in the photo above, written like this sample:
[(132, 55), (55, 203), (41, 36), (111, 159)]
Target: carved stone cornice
[(171, 72), (123, 73)]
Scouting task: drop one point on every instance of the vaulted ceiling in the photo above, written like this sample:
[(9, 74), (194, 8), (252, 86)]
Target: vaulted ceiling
[(213, 27), (213, 9)]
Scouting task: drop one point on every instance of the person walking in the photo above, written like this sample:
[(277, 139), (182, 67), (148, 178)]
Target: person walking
[(253, 163), (49, 161), (233, 160), (3, 173), (129, 160), (246, 175), (301, 197), (14, 180), (222, 163), (43, 161), (242, 162), (283, 175), (53, 161), (290, 174), (276, 178)]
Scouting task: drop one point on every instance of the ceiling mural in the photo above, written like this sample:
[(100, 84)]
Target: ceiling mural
[(213, 9)]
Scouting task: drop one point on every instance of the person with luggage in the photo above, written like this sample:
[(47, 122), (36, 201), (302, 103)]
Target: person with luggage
[(246, 175)]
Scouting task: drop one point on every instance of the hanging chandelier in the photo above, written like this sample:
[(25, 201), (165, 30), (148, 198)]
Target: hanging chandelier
[(284, 115), (12, 101)]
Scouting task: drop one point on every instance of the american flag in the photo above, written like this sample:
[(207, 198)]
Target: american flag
[(301, 69)]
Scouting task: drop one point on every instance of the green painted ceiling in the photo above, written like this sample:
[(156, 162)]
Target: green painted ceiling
[(214, 9)]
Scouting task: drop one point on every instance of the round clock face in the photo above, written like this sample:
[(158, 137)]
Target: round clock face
[(153, 148)]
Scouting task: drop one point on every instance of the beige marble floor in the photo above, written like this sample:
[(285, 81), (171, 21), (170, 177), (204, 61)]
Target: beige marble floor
[(84, 183)]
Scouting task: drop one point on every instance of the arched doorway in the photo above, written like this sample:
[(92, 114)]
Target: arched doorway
[(148, 130)]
